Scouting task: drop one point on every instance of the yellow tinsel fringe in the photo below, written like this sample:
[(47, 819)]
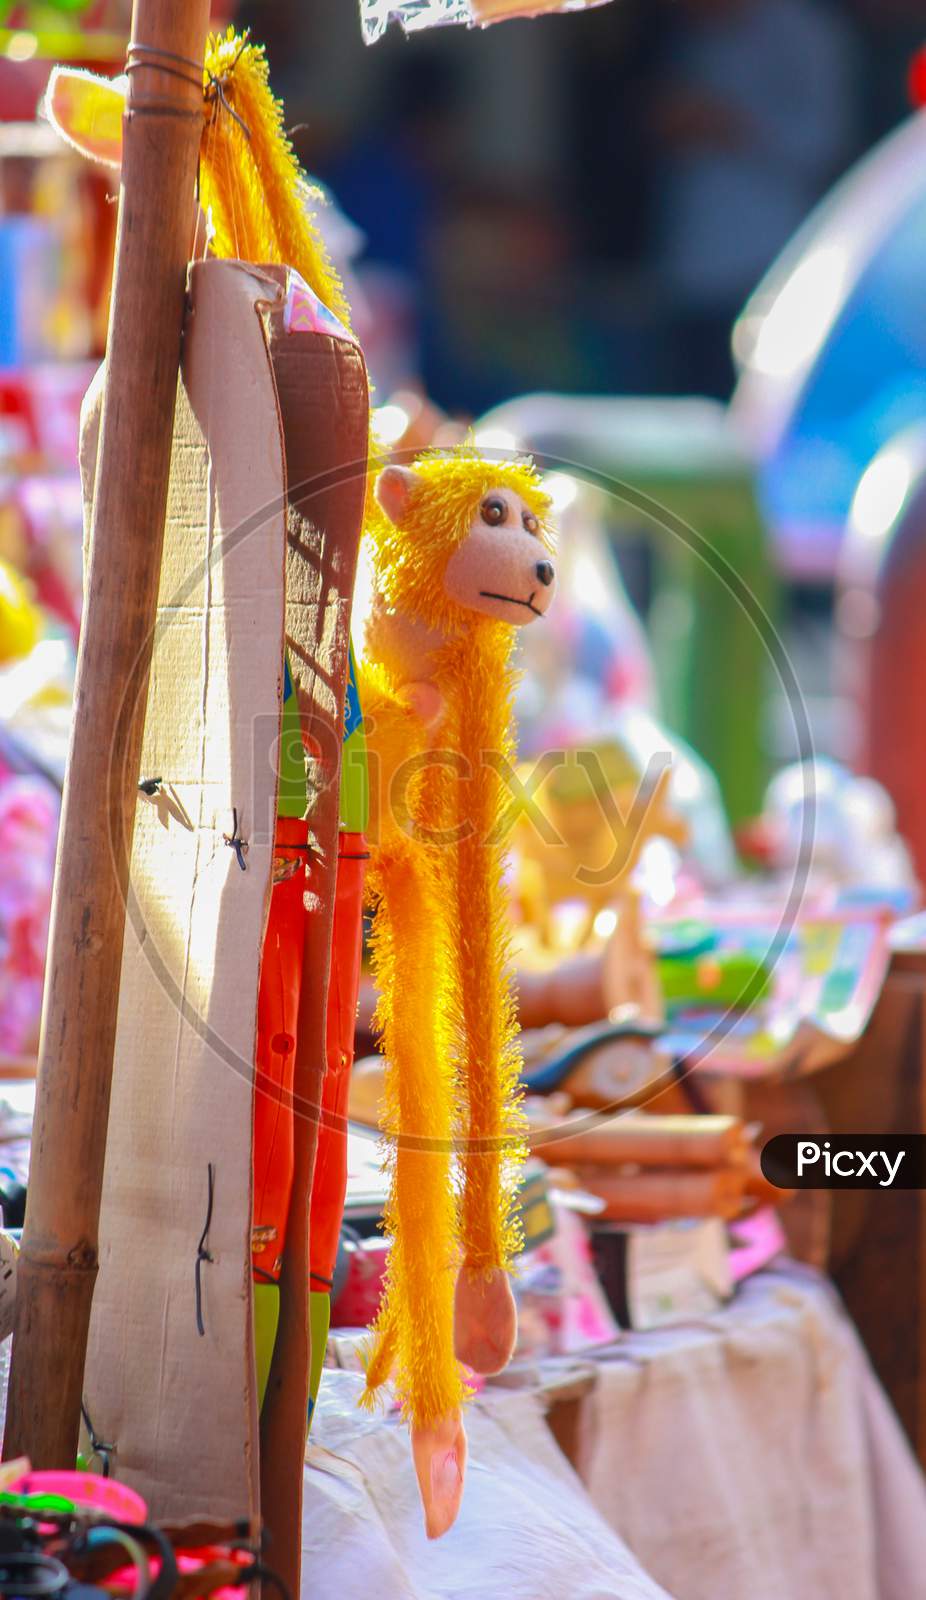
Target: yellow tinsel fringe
[(251, 183)]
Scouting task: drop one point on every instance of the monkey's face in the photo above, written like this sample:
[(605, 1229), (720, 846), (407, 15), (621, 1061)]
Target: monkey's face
[(502, 568), (461, 543)]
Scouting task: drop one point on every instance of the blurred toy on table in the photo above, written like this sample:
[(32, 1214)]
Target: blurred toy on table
[(37, 654), (841, 827), (20, 624), (591, 680), (638, 1220), (594, 659), (578, 873), (681, 1206), (646, 1167), (562, 1308), (581, 841)]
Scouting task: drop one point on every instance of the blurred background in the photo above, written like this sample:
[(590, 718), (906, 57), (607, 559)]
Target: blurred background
[(586, 203), (675, 247)]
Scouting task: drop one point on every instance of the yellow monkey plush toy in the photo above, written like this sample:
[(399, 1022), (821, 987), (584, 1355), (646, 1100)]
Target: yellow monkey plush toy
[(462, 551)]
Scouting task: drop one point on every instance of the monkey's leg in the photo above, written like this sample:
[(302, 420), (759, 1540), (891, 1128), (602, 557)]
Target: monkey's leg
[(416, 1322), (485, 1318)]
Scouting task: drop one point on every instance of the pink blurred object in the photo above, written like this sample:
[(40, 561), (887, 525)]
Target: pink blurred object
[(28, 833), (51, 523), (124, 1577), (85, 1489), (358, 1302), (754, 1242), (40, 407), (562, 1307)]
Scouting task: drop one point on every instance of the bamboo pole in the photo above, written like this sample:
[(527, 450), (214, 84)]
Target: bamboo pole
[(58, 1264)]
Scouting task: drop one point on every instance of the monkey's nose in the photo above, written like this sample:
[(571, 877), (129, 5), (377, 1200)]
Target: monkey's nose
[(545, 572)]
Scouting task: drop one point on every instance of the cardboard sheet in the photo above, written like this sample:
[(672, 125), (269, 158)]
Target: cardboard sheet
[(179, 1405), (264, 519)]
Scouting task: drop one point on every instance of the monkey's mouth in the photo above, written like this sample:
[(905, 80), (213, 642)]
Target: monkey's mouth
[(512, 600)]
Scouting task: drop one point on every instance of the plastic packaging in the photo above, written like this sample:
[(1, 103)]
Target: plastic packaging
[(376, 15)]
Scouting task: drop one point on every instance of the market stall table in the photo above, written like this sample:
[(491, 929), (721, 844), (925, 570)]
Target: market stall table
[(749, 1456), (870, 1080)]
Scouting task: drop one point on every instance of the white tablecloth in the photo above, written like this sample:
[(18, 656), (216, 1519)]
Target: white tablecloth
[(755, 1457), (527, 1530), (749, 1457)]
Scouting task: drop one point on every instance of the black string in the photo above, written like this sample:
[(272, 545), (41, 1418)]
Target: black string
[(169, 55), (235, 841), (103, 1451), (216, 93), (202, 1254), (216, 87), (170, 72), (269, 1578), (213, 91)]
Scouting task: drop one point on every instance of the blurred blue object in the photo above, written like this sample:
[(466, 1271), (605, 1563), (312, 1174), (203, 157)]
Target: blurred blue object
[(28, 272), (832, 349)]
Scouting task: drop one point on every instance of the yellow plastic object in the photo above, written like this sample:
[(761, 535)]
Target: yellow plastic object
[(20, 620), (250, 180)]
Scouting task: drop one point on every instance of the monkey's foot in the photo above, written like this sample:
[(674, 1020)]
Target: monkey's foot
[(439, 1454), (485, 1320)]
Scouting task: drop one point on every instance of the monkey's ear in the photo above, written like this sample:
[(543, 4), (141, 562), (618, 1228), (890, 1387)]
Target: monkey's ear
[(394, 488), (87, 112)]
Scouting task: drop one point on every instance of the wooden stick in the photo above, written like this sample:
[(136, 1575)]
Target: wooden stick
[(58, 1264), (647, 1140), (656, 1196)]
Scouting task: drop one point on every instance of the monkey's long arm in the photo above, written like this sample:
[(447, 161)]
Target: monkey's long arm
[(416, 1322), (489, 1061), (410, 966)]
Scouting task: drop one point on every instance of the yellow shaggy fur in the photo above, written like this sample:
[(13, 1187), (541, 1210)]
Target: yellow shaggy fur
[(250, 181), (440, 936)]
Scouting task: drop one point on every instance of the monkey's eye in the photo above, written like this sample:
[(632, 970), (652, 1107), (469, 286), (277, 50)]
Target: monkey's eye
[(529, 522), (494, 510)]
